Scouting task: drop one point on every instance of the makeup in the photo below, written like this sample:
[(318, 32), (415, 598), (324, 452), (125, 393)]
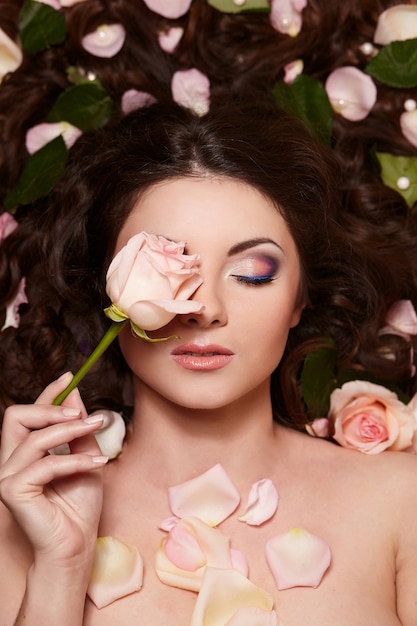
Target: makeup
[(202, 358)]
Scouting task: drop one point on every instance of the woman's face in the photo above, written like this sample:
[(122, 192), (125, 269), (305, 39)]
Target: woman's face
[(251, 292)]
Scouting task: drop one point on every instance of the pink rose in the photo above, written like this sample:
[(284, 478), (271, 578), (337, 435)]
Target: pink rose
[(150, 281), (370, 418)]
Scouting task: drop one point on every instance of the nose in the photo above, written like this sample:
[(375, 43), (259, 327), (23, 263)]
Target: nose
[(214, 312)]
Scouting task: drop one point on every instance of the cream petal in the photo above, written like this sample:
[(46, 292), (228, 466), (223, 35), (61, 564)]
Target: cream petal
[(396, 24), (224, 592), (172, 9), (286, 16), (297, 559), (239, 561), (12, 307), (211, 497), (10, 55), (254, 617), (352, 93), (133, 99), (292, 70), (183, 549), (191, 89), (106, 41), (320, 427), (402, 315), (117, 571), (41, 134), (169, 39), (111, 435), (214, 545), (262, 503), (408, 123)]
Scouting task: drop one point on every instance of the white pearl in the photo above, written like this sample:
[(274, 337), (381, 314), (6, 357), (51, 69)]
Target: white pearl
[(410, 104), (367, 48), (403, 183), (239, 3)]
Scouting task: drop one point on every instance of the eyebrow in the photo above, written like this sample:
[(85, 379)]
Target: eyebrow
[(251, 243)]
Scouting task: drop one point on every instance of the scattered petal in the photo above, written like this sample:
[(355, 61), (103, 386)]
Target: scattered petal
[(12, 307), (55, 4), (285, 16), (172, 9), (169, 39), (211, 497), (169, 523), (10, 55), (70, 3), (239, 561), (111, 435), (408, 123), (254, 617), (133, 99), (397, 23), (41, 134), (297, 559), (7, 225), (183, 549), (223, 593), (320, 427), (213, 544), (106, 41), (262, 503), (292, 70), (117, 571), (402, 317), (352, 93), (191, 89)]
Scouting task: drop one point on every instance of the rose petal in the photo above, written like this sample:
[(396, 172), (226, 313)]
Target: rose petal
[(352, 93), (402, 317), (223, 593), (111, 435), (169, 39), (285, 16), (106, 41), (7, 225), (292, 70), (297, 559), (117, 571), (172, 9), (397, 23), (10, 55), (12, 308), (70, 3), (214, 545), (262, 503), (254, 617), (408, 123), (133, 99), (41, 134), (239, 561), (320, 427), (211, 497), (55, 4), (191, 89), (183, 549)]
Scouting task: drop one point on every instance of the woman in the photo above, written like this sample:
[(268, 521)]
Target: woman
[(248, 190)]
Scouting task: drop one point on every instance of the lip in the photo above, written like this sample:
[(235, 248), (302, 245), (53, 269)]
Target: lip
[(209, 357)]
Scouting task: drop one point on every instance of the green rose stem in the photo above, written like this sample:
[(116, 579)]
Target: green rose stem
[(108, 338)]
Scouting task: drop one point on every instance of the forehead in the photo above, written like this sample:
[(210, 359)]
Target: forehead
[(200, 210)]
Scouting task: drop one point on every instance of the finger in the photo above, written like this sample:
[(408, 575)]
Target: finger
[(50, 392), (38, 442)]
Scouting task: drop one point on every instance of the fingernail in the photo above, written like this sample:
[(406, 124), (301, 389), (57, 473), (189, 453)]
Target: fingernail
[(94, 419), (68, 412), (100, 460)]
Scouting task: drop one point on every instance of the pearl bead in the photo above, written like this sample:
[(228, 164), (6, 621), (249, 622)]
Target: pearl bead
[(403, 183), (410, 104), (239, 3), (367, 48)]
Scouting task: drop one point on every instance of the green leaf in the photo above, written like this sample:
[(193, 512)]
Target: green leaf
[(40, 173), (249, 6), (85, 105), (40, 26), (396, 64), (306, 98), (394, 167), (318, 379)]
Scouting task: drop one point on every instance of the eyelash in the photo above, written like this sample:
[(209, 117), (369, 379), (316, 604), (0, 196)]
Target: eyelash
[(254, 281)]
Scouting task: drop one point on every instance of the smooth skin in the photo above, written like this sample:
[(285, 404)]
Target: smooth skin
[(187, 420)]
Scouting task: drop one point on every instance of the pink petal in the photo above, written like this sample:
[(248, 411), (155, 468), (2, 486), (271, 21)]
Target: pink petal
[(183, 549), (168, 523), (70, 3), (396, 24), (402, 317), (320, 427), (262, 503), (133, 99), (10, 55), (41, 134), (169, 39), (55, 4), (285, 16), (408, 123), (106, 41), (223, 593), (111, 435), (297, 559), (172, 9), (117, 571), (191, 89), (211, 497), (292, 70), (239, 561), (352, 93), (12, 308), (7, 225)]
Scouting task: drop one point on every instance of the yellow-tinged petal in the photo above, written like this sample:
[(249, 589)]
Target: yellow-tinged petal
[(211, 497), (254, 617), (10, 55), (262, 503), (297, 558), (117, 571), (212, 543), (223, 593)]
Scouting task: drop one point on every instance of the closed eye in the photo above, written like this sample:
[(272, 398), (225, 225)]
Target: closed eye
[(254, 280)]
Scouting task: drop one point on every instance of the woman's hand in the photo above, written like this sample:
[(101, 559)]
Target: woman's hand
[(56, 499)]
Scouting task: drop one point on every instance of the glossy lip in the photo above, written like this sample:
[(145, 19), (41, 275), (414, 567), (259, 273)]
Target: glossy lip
[(210, 357)]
